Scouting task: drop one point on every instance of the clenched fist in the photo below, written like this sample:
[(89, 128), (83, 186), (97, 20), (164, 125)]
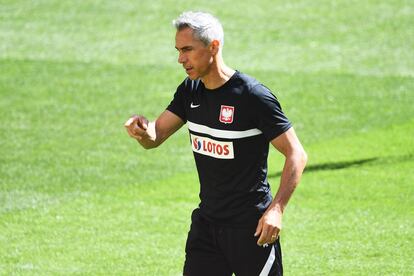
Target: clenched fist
[(137, 127)]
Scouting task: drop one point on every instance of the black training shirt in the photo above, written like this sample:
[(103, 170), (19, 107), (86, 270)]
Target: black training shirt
[(230, 130)]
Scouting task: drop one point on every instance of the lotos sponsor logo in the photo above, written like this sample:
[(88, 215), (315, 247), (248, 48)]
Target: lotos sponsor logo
[(213, 148)]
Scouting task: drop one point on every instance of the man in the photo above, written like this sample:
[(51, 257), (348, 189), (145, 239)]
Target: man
[(231, 118)]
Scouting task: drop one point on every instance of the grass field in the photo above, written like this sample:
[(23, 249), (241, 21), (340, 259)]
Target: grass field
[(78, 196)]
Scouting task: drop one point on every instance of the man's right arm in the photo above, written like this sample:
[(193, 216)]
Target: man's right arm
[(152, 134)]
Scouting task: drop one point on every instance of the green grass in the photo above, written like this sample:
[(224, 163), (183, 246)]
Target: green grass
[(78, 196)]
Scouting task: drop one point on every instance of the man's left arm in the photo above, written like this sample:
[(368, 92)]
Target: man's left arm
[(270, 223)]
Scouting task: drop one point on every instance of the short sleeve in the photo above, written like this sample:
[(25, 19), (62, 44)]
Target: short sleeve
[(177, 105), (268, 113)]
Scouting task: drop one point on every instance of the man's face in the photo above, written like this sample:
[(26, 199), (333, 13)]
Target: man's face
[(195, 57)]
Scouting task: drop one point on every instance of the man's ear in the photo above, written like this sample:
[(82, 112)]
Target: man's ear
[(214, 47)]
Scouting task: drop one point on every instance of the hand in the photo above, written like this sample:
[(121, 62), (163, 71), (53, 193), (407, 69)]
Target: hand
[(269, 226), (137, 127)]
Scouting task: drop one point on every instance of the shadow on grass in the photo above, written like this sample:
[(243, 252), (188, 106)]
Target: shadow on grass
[(332, 166)]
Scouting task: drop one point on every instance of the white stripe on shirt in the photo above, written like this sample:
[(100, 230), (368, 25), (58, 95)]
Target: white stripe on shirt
[(227, 134)]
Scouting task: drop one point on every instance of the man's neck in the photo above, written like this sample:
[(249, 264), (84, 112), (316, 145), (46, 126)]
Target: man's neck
[(219, 75)]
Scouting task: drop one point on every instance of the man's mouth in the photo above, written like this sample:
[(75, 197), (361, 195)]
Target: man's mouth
[(188, 69)]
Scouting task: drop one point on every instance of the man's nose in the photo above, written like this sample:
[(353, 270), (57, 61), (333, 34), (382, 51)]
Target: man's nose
[(181, 58)]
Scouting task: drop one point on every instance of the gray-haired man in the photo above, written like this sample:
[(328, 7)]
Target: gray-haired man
[(232, 119)]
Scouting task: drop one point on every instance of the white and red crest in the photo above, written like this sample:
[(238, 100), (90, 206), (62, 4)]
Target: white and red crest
[(226, 114)]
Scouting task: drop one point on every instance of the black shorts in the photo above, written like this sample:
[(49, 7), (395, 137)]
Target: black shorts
[(213, 250)]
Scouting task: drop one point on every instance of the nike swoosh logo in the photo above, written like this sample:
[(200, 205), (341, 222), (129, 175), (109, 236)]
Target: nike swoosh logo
[(194, 105)]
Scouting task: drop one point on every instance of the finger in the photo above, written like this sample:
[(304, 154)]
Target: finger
[(275, 235), (138, 130), (258, 228), (131, 121), (263, 238), (274, 238), (133, 134), (142, 123)]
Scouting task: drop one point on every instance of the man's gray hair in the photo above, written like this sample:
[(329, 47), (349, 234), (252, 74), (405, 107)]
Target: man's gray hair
[(205, 26)]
